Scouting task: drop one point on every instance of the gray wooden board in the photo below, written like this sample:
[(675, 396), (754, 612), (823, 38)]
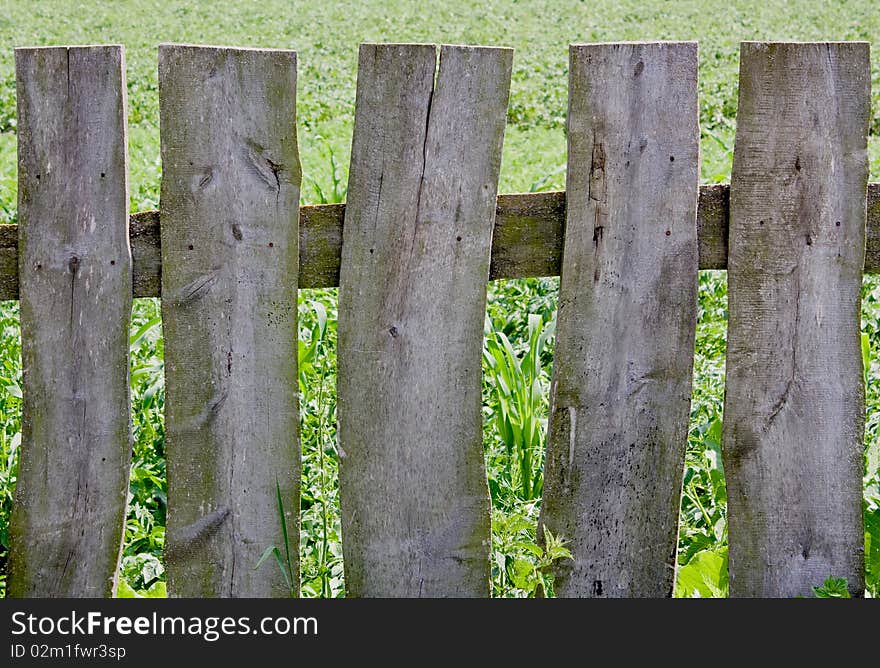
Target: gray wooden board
[(527, 240), (621, 389), (415, 264), (75, 269), (230, 193), (794, 406)]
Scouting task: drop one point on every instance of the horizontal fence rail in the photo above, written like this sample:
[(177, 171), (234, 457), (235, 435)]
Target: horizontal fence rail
[(527, 241), (423, 232)]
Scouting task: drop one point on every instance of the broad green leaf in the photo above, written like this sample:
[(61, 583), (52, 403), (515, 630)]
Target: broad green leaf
[(522, 574), (124, 590), (704, 576), (832, 588)]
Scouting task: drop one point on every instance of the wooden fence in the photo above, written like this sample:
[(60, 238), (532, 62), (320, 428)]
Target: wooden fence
[(412, 250)]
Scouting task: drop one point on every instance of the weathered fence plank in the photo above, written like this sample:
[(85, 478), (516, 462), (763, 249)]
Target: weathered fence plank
[(527, 240), (795, 407), (415, 264), (75, 269), (230, 192), (627, 316)]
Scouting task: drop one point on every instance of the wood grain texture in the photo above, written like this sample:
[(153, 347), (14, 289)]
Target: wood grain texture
[(230, 193), (75, 269), (527, 241), (794, 408), (621, 388), (712, 225), (146, 253), (9, 262), (415, 264)]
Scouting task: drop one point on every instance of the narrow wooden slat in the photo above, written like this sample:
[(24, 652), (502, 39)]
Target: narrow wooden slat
[(627, 317), (75, 269), (794, 406), (230, 192), (527, 241), (415, 264)]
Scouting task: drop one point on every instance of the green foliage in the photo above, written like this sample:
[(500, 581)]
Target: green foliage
[(871, 508), (156, 590), (517, 359), (338, 178), (704, 575), (704, 494), (144, 536), (320, 535), (703, 523), (519, 385), (283, 559), (702, 554), (832, 588), (141, 572), (871, 504), (534, 577), (10, 422), (522, 567)]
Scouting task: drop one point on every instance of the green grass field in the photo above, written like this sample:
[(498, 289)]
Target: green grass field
[(326, 36)]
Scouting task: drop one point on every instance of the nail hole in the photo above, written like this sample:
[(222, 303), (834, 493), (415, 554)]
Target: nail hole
[(38, 177), (112, 262), (760, 222), (39, 266), (458, 238), (371, 251), (271, 245), (190, 246), (671, 158), (102, 175), (668, 232), (837, 224)]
